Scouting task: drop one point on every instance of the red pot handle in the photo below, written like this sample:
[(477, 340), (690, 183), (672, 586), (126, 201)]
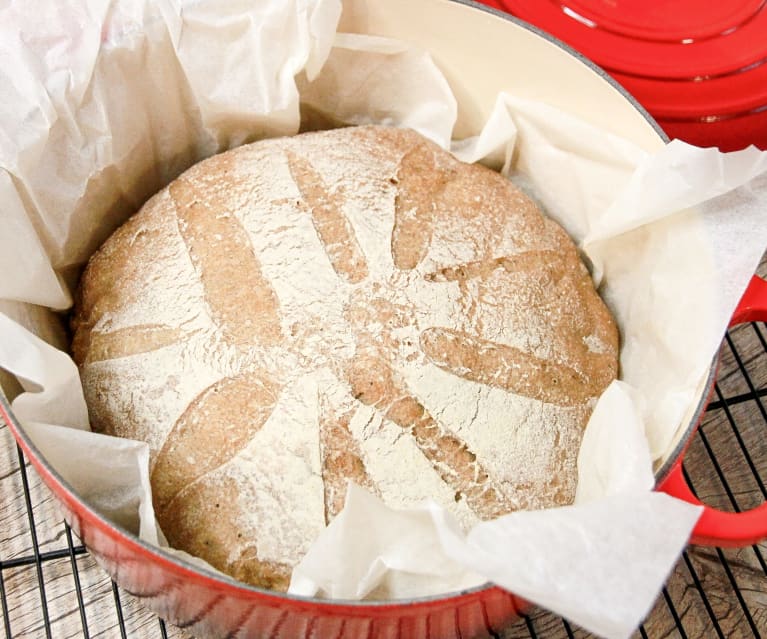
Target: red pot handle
[(715, 527)]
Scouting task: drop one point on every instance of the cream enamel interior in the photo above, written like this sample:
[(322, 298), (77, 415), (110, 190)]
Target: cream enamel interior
[(506, 57)]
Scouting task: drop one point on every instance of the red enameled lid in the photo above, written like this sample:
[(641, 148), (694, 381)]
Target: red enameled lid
[(727, 133), (682, 59), (670, 38), (738, 92), (664, 21)]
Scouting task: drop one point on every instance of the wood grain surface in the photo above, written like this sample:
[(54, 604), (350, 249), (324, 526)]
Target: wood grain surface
[(711, 592)]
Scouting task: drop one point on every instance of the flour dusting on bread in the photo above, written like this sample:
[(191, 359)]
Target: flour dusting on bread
[(353, 304)]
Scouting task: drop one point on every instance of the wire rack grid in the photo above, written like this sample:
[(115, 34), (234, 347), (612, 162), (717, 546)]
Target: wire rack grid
[(51, 587)]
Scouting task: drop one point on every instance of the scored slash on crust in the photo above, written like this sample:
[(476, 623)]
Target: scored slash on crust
[(333, 229), (222, 265)]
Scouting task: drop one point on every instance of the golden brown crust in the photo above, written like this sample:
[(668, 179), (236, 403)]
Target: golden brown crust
[(212, 430), (453, 227), (201, 521)]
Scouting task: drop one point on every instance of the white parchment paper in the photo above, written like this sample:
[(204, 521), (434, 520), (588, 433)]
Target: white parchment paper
[(106, 101)]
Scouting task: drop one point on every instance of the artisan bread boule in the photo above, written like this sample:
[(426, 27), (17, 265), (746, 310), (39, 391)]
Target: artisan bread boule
[(353, 304)]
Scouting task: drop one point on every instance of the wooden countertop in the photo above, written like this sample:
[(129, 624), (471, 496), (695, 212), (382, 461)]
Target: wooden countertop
[(711, 592)]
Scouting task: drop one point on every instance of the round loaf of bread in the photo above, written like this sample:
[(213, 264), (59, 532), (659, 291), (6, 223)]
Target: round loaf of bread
[(353, 304)]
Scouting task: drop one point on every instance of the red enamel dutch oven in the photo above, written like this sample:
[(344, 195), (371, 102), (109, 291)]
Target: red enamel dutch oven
[(209, 604), (697, 67)]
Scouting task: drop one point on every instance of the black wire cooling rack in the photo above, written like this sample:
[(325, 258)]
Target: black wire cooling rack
[(51, 587)]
